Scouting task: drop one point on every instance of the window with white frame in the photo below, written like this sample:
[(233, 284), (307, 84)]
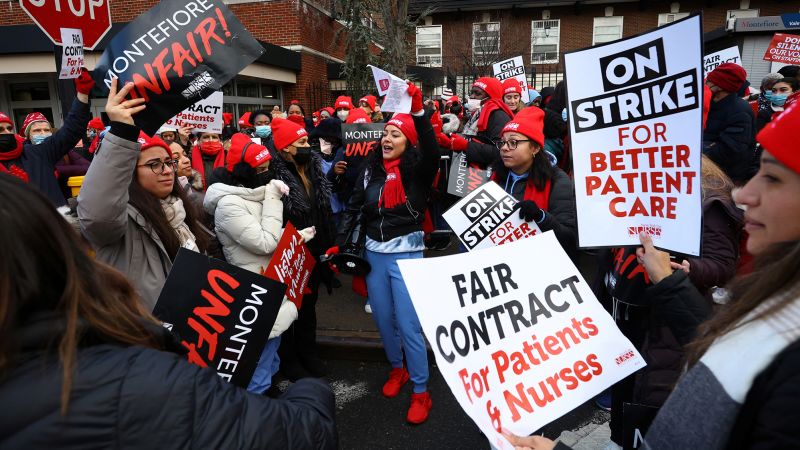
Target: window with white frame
[(742, 13), (429, 46), (606, 29), (485, 41), (544, 41), (666, 18)]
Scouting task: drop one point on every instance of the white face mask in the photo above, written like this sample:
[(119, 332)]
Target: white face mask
[(325, 147), (342, 114), (473, 104)]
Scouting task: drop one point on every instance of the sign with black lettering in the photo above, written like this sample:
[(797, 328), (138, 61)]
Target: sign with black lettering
[(465, 177), (517, 333), (488, 216), (636, 420), (176, 54), (203, 116), (513, 68), (635, 110), (221, 313), (729, 55), (360, 139)]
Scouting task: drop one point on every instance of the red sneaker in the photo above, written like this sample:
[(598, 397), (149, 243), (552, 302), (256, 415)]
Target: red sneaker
[(397, 378), (420, 406)]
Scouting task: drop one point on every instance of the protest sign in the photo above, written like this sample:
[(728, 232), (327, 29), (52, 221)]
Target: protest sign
[(176, 54), (394, 88), (71, 54), (636, 420), (784, 48), (203, 116), (487, 217), (636, 128), (520, 340), (512, 68), (360, 139), (221, 313), (291, 264), (729, 55), (465, 177)]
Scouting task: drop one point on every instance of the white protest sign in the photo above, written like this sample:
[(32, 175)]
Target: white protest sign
[(394, 88), (635, 108), (203, 116), (72, 53), (513, 68), (520, 340), (487, 217), (729, 55)]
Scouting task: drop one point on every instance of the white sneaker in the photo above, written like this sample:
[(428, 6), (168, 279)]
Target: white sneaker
[(367, 308)]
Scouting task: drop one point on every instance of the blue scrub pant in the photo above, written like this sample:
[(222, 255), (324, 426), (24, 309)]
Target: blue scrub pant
[(267, 367)]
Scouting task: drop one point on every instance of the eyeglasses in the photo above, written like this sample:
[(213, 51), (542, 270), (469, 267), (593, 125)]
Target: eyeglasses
[(511, 143), (158, 166)]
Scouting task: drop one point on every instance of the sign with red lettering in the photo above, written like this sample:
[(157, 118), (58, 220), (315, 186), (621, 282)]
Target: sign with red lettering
[(488, 216), (360, 139), (291, 264), (222, 314), (203, 116), (635, 110), (465, 177), (520, 340), (784, 48), (176, 54), (92, 17)]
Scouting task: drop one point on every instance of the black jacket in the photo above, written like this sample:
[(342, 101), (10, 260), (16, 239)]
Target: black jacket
[(417, 169), (728, 138), (134, 397), (482, 151), (39, 161)]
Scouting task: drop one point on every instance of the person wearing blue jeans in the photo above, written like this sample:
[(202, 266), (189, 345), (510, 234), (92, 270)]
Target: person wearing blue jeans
[(268, 364), (389, 198)]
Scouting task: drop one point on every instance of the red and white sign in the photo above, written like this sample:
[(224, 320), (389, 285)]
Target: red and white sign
[(291, 264), (784, 48), (520, 340), (203, 116), (71, 54), (92, 17)]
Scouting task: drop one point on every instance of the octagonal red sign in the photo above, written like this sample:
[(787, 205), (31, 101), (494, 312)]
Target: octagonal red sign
[(92, 17)]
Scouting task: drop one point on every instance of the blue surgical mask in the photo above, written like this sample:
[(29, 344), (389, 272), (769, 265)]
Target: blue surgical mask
[(768, 95), (564, 114), (39, 138), (778, 99), (263, 131)]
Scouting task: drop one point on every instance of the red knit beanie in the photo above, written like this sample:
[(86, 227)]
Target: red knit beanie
[(530, 122), (30, 119), (511, 86), (776, 137), (96, 124), (358, 115), (284, 132), (5, 119), (492, 86), (728, 76), (406, 125), (368, 99), (254, 155), (343, 101), (155, 141), (226, 118)]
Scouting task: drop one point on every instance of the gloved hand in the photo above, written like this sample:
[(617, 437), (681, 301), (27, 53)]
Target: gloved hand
[(416, 98), (360, 286), (444, 141), (458, 143), (329, 253), (84, 83), (530, 211), (276, 189), (307, 233)]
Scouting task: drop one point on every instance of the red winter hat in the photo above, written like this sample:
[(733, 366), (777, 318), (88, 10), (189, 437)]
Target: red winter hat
[(294, 102), (284, 132), (436, 122), (5, 119), (511, 86), (343, 101), (530, 122), (244, 121), (452, 99), (358, 115), (32, 118), (368, 99), (406, 125), (296, 119), (96, 124), (226, 118), (492, 86), (775, 137), (728, 76), (148, 142), (330, 110), (244, 149)]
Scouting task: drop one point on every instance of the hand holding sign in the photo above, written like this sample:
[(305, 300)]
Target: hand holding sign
[(655, 262), (119, 109)]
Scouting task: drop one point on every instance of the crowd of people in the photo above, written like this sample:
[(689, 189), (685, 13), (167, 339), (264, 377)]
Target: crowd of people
[(83, 359)]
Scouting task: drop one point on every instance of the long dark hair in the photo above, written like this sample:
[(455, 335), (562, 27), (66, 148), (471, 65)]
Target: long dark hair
[(46, 268), (149, 206), (776, 272), (539, 174)]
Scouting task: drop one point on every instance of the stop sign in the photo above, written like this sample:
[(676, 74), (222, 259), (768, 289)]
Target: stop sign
[(92, 17)]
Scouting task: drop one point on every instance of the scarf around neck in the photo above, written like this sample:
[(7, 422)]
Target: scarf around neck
[(393, 192), (176, 215)]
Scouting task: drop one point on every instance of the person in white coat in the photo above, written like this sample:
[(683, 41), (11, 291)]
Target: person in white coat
[(248, 216)]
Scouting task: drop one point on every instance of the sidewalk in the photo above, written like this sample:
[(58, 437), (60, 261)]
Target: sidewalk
[(592, 436)]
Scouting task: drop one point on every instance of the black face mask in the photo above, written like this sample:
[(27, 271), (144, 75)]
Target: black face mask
[(303, 155), (263, 178), (7, 143), (455, 109)]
